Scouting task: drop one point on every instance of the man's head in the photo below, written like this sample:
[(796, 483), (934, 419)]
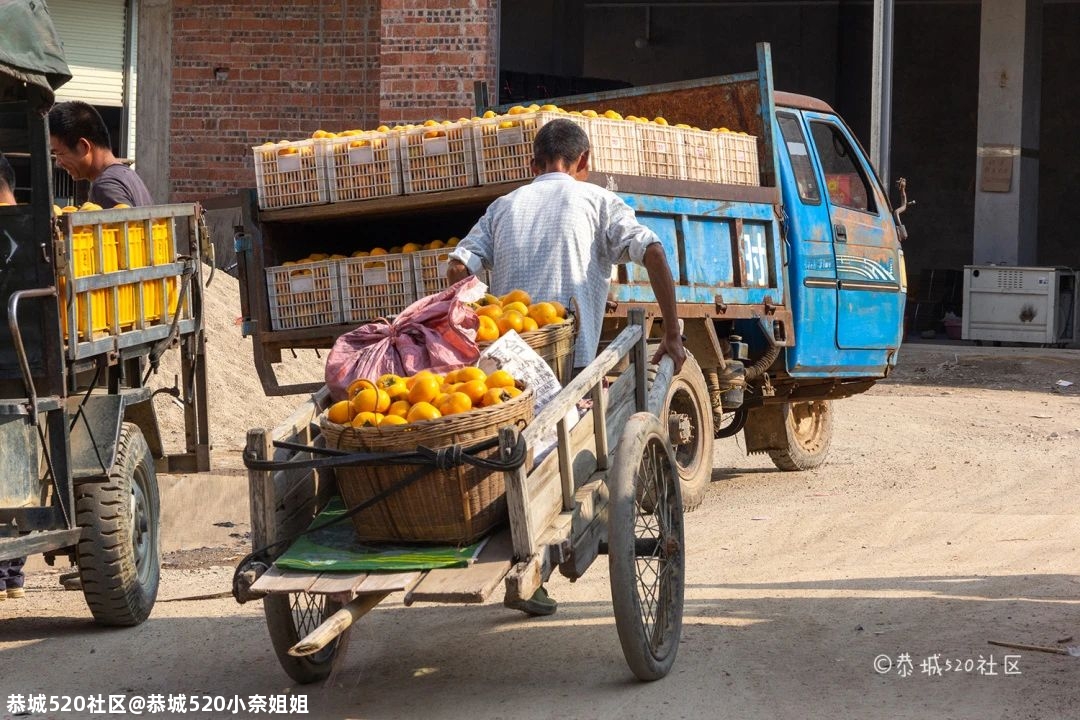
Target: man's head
[(561, 146), (7, 182), (79, 139)]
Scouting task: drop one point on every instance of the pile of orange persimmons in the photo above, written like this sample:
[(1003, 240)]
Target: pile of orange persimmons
[(515, 311), (397, 400)]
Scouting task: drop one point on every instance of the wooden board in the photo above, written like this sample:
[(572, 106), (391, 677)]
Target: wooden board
[(284, 581), (386, 582), (473, 584), (332, 583)]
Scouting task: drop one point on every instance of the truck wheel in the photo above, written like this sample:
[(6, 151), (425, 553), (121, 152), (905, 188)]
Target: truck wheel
[(290, 618), (119, 557), (806, 428), (689, 396)]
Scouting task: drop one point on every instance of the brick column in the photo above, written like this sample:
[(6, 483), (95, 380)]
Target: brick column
[(431, 52)]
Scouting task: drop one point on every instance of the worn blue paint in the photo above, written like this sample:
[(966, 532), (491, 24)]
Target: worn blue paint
[(703, 252)]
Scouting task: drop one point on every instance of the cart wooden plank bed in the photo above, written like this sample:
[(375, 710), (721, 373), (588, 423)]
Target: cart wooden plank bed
[(610, 486)]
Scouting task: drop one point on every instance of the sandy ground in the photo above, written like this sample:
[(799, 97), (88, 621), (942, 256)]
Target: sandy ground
[(946, 517)]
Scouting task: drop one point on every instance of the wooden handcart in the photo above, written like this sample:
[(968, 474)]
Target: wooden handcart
[(611, 486)]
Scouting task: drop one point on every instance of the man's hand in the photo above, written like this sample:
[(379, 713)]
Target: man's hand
[(455, 271), (672, 346)]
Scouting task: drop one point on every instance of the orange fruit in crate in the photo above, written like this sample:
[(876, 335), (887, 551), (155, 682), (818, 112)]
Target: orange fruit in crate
[(560, 310), (516, 295), (453, 403), (500, 379), (436, 245), (490, 299), (340, 413), (544, 313), (492, 311), (488, 114), (410, 247), (528, 325), (423, 411), (425, 389), (488, 330), (386, 380), (510, 321), (399, 408), (516, 110), (377, 251), (367, 419), (517, 306), (494, 396), (475, 390), (392, 420), (371, 400), (467, 374), (356, 386)]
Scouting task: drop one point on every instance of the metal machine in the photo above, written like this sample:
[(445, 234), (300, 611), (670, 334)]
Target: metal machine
[(1020, 304)]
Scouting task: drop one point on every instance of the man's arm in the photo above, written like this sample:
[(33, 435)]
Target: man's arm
[(473, 252), (663, 287)]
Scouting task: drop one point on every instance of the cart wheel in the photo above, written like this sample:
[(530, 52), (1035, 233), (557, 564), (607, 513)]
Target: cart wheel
[(119, 558), (645, 548), (688, 397), (289, 618)]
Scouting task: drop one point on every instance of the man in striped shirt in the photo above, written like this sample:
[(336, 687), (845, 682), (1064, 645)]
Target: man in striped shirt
[(558, 238)]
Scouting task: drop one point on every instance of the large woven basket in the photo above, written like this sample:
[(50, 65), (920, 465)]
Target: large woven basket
[(554, 343), (459, 505)]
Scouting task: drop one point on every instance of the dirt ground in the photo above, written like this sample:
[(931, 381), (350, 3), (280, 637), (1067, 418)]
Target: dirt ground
[(944, 519)]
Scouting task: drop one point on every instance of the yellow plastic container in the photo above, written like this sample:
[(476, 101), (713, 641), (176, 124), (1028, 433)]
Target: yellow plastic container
[(85, 263), (138, 256)]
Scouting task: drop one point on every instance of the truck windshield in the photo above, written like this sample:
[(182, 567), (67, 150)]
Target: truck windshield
[(799, 155)]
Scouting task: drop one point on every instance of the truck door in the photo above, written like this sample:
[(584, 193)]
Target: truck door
[(865, 246)]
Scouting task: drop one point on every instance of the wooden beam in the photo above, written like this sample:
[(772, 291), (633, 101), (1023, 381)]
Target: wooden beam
[(335, 625)]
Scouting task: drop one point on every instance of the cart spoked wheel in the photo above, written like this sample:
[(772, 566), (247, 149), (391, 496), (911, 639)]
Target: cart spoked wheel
[(290, 618), (645, 547)]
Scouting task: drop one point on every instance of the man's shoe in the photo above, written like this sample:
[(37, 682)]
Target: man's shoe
[(16, 593), (538, 604)]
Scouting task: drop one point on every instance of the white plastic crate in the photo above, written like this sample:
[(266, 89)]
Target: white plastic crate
[(438, 157), (361, 167), (616, 146), (738, 159), (429, 270), (701, 156), (290, 174), (504, 144), (662, 151), (303, 295), (377, 286)]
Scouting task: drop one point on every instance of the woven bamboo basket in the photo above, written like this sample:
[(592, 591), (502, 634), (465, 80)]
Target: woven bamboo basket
[(554, 343), (459, 505)]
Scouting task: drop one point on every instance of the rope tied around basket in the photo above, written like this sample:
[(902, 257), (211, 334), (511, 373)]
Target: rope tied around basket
[(444, 458)]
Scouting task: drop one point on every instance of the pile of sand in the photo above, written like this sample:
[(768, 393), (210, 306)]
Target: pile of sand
[(236, 398)]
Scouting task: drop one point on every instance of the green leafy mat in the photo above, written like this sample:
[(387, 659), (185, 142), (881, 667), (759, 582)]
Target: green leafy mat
[(336, 548)]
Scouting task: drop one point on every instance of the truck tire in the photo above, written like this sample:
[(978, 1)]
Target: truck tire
[(118, 555), (805, 430), (689, 396)]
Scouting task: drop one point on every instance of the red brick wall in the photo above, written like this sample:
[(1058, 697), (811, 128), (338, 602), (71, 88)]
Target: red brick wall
[(293, 68), (432, 51), (303, 65)]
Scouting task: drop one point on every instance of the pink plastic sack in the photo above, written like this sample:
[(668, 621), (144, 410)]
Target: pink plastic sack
[(437, 332)]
